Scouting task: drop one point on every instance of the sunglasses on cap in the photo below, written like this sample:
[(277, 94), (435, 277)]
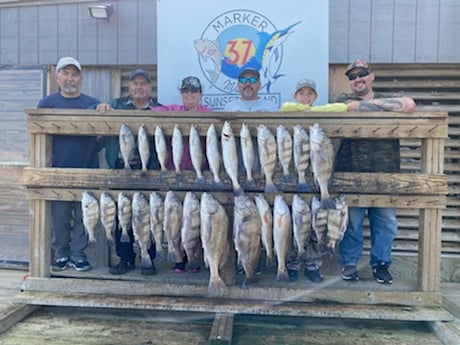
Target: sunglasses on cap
[(362, 74), (251, 80)]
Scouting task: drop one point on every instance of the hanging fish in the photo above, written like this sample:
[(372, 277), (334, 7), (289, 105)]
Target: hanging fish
[(177, 144), (124, 216), (171, 226), (284, 147), (108, 209), (301, 156), (322, 161), (213, 153), (282, 235), (156, 222), (213, 231), (301, 225), (246, 236), (266, 143), (190, 231), (90, 212), (266, 217), (247, 150), (127, 145), (143, 146), (230, 157), (161, 147), (196, 152), (141, 227)]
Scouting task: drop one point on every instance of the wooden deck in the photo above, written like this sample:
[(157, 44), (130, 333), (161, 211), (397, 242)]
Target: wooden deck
[(103, 325)]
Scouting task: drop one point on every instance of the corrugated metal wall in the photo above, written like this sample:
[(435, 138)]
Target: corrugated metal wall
[(383, 31), (395, 31)]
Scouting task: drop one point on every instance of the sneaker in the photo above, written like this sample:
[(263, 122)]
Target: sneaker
[(80, 265), (314, 276), (60, 264), (148, 271), (179, 267), (350, 273), (258, 270), (122, 267), (381, 274), (292, 275), (239, 270)]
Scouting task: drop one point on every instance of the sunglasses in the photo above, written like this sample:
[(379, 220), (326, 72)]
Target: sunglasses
[(251, 80), (361, 74)]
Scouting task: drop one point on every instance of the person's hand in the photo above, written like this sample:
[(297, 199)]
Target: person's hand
[(353, 106), (103, 107)]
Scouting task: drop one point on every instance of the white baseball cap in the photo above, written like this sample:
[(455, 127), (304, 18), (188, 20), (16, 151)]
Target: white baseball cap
[(67, 61)]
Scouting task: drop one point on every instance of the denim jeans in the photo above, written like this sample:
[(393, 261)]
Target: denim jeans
[(69, 238), (383, 227)]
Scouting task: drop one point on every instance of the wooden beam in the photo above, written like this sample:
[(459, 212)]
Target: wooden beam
[(222, 329), (331, 310), (346, 183)]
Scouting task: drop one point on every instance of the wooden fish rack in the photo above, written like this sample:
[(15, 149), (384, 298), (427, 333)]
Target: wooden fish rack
[(425, 191)]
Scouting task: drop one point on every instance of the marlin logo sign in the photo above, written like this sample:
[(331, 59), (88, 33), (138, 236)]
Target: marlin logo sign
[(240, 39)]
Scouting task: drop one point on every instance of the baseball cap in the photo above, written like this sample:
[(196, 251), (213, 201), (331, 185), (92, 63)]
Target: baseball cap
[(358, 63), (306, 83), (190, 83), (249, 70), (67, 61), (142, 72)]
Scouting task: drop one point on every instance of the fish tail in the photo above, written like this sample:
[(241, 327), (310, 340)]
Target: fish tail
[(282, 275), (217, 287), (124, 237)]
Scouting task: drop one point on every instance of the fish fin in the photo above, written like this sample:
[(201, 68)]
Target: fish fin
[(124, 237), (217, 287)]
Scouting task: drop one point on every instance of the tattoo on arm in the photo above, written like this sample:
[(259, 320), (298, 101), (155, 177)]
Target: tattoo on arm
[(381, 105)]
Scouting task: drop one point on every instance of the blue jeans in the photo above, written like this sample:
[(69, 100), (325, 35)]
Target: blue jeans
[(383, 226), (68, 240)]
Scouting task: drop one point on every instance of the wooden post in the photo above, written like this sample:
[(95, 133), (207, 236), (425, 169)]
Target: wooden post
[(430, 223)]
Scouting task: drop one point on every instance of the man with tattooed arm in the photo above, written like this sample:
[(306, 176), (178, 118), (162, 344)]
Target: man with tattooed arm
[(363, 155)]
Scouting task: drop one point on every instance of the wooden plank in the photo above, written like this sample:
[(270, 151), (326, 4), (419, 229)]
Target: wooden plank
[(374, 200), (14, 314), (380, 312), (354, 124), (222, 329), (165, 283), (371, 183)]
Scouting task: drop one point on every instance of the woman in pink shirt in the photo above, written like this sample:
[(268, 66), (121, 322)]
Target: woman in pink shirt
[(191, 92)]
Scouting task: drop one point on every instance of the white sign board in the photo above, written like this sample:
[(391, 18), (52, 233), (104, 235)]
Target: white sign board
[(214, 40)]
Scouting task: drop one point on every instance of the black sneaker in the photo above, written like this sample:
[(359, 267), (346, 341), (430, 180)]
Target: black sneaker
[(350, 273), (381, 274), (80, 265), (292, 275), (314, 276), (148, 271), (122, 267), (60, 264)]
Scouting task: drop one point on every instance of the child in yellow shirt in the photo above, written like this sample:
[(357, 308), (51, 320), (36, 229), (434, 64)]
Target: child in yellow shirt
[(305, 95)]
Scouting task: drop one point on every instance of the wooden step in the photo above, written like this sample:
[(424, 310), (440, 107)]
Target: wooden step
[(221, 305)]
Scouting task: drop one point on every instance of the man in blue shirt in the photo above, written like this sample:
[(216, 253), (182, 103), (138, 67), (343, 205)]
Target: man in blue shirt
[(70, 151)]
